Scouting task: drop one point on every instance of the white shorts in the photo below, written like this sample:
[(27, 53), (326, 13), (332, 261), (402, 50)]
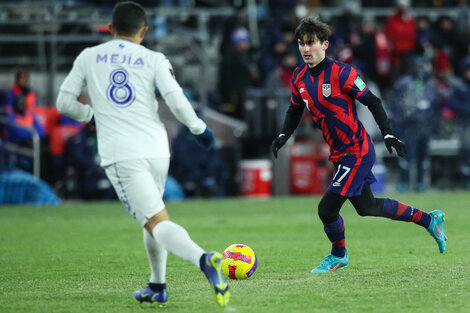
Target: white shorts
[(139, 185)]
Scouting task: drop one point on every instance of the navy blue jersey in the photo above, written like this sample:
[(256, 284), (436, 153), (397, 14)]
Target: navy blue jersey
[(329, 97)]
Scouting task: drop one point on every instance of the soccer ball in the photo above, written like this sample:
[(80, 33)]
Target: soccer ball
[(239, 262)]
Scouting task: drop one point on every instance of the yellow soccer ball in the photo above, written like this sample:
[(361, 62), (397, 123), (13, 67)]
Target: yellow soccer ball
[(239, 262)]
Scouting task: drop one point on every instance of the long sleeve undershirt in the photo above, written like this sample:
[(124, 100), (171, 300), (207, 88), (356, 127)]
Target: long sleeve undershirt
[(183, 111), (373, 103), (69, 105)]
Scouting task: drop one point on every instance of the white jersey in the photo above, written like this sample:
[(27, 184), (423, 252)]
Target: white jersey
[(122, 77)]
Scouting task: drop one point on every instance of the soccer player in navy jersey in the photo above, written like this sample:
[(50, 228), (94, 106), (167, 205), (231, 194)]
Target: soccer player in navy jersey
[(328, 89)]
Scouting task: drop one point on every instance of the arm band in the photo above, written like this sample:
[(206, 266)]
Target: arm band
[(376, 108)]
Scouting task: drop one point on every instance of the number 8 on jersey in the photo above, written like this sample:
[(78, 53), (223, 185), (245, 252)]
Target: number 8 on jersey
[(120, 90)]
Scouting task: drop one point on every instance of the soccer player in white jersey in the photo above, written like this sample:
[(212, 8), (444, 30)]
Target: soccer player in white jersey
[(121, 76)]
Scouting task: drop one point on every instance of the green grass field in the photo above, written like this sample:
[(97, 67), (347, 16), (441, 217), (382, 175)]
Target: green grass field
[(89, 257)]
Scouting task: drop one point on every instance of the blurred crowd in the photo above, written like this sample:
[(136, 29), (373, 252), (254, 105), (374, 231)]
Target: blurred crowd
[(68, 160), (419, 67)]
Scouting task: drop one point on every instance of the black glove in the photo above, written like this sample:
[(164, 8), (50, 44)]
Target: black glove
[(277, 143), (206, 139), (392, 141)]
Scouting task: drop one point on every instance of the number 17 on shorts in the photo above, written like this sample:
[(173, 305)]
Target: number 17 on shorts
[(351, 176)]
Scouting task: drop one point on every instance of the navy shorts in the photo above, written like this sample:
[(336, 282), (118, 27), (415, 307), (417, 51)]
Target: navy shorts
[(352, 175)]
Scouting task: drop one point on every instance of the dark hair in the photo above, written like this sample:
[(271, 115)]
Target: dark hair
[(20, 73), (128, 18), (313, 28)]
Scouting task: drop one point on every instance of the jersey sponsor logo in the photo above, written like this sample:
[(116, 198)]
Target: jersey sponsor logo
[(120, 90), (326, 90), (336, 184), (302, 90), (360, 83), (118, 59)]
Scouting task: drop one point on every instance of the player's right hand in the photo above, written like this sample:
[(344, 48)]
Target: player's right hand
[(277, 144), (206, 139)]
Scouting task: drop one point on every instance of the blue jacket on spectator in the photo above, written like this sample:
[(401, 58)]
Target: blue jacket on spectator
[(415, 103), (20, 102), (460, 99)]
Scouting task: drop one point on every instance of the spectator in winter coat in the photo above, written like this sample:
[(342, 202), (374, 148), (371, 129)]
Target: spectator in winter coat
[(415, 105), (400, 28), (460, 103), (20, 102)]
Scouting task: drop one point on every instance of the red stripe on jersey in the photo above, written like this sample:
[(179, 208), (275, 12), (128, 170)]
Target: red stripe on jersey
[(354, 125), (338, 110), (351, 177), (334, 79), (350, 82), (344, 138), (331, 107), (327, 136), (361, 92), (292, 102), (294, 83), (311, 104), (365, 142), (348, 119), (294, 90), (401, 209), (318, 114), (364, 149), (297, 79)]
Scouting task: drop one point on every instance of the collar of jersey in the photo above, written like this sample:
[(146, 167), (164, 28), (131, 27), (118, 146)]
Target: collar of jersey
[(124, 40), (317, 68)]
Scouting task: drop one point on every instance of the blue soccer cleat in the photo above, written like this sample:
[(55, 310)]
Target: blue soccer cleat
[(148, 295), (331, 263), (436, 229), (215, 276)]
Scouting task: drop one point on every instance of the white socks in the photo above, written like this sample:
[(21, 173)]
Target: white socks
[(175, 239), (157, 256)]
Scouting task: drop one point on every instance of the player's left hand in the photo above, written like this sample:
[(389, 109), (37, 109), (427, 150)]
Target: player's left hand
[(206, 139), (277, 144), (392, 141)]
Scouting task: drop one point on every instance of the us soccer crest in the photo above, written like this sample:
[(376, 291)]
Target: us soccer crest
[(326, 90)]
